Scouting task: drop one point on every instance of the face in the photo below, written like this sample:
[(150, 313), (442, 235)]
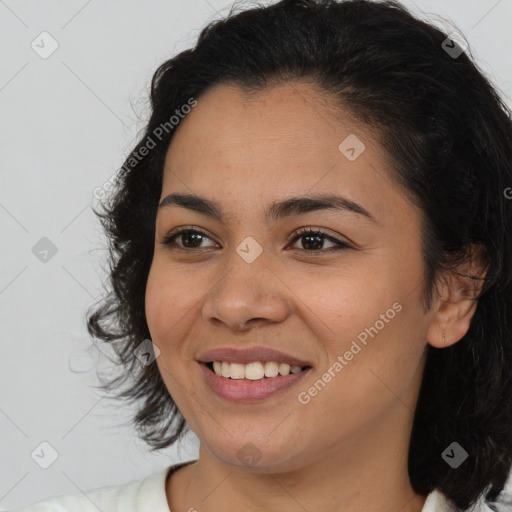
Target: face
[(346, 299)]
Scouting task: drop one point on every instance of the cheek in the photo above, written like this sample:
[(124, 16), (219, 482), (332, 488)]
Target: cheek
[(162, 306), (152, 301), (166, 299), (342, 302), (171, 304), (161, 303), (362, 317)]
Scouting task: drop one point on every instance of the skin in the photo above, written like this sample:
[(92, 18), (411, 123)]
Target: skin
[(346, 450)]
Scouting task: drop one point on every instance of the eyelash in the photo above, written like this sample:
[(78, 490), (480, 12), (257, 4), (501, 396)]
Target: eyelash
[(169, 240)]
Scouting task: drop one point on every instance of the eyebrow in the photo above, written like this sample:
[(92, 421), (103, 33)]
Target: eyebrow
[(279, 209)]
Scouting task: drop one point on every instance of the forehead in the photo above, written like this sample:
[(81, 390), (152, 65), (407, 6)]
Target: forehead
[(243, 148), (291, 114)]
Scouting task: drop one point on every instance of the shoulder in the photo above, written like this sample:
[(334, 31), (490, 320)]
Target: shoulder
[(146, 494), (438, 502)]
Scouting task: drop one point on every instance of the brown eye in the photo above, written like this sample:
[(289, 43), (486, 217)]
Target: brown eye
[(313, 241), (190, 239)]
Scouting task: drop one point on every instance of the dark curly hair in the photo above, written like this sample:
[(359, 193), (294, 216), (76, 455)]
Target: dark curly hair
[(449, 136)]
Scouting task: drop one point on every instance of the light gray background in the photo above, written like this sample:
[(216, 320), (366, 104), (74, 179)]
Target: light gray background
[(67, 123)]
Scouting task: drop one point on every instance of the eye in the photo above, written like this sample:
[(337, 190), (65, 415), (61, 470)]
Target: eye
[(313, 239), (189, 237)]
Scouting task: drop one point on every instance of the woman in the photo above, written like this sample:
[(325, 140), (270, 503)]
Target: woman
[(312, 269)]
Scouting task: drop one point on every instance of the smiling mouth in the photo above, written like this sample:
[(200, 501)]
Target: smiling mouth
[(255, 371)]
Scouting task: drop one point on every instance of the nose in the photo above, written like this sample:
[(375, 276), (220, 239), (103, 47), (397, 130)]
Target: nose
[(248, 295)]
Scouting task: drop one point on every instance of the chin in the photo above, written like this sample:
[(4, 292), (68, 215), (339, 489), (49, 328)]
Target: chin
[(255, 457)]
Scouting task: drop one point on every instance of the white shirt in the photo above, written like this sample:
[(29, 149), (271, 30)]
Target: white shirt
[(148, 495)]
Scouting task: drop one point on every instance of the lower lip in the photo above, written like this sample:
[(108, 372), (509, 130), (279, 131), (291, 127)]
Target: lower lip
[(242, 390)]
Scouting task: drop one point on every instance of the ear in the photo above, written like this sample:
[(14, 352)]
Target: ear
[(454, 307)]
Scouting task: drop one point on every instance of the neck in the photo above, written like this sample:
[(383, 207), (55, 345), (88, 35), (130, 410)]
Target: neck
[(368, 472)]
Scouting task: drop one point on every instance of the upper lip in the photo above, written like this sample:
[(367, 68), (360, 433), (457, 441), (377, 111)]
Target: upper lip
[(249, 355)]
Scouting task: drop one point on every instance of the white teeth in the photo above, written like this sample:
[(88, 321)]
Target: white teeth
[(237, 371), (284, 369), (253, 371), (271, 369)]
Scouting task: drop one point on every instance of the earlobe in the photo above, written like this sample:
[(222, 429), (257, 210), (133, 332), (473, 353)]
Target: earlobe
[(448, 330), (457, 305), (452, 318)]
